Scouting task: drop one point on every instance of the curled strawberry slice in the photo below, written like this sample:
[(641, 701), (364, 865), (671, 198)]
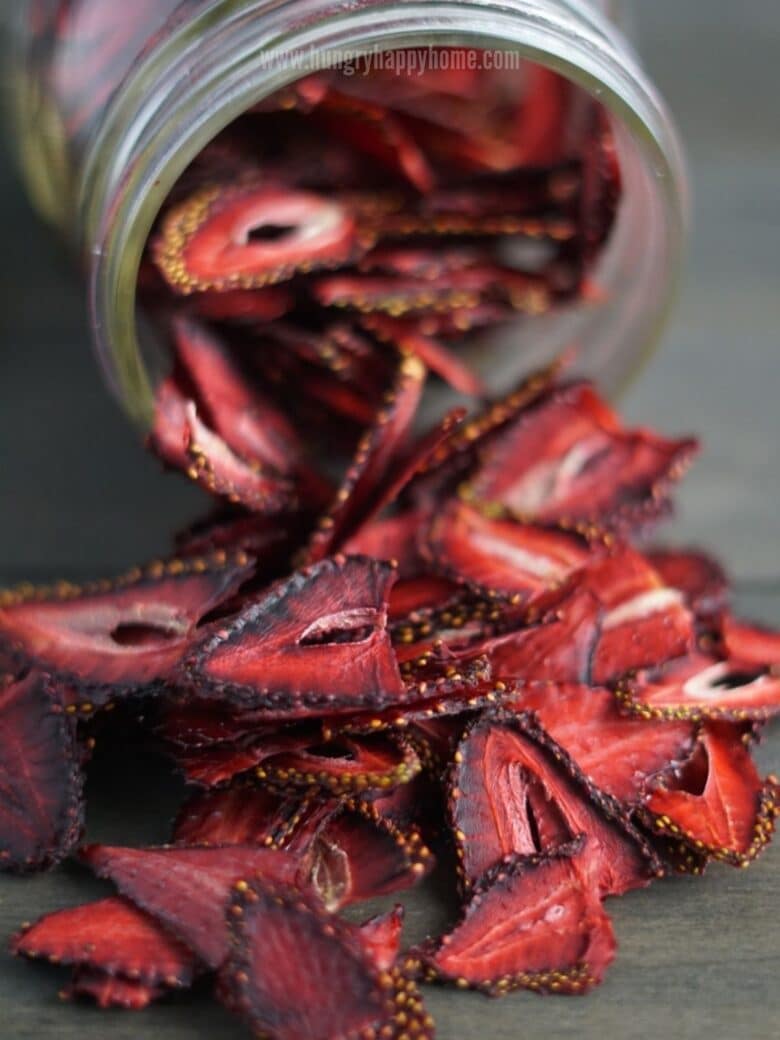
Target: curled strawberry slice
[(567, 459), (533, 923), (316, 643), (512, 785), (718, 803), (297, 972), (395, 538), (623, 757), (751, 644), (106, 638), (187, 889), (698, 576), (111, 991), (702, 687), (112, 937), (500, 557), (381, 936), (248, 236), (377, 452), (41, 812)]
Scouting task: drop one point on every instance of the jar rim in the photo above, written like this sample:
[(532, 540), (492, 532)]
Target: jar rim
[(165, 114)]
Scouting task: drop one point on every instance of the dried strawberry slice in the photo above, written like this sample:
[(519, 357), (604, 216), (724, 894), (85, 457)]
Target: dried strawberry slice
[(109, 637), (514, 783), (111, 991), (376, 454), (238, 412), (393, 538), (411, 596), (623, 757), (534, 923), (568, 459), (698, 576), (409, 337), (718, 803), (269, 539), (500, 557), (218, 765), (381, 937), (644, 622), (187, 889), (702, 687), (41, 813), (112, 937), (751, 644), (249, 815), (361, 855), (248, 236), (296, 972), (315, 643), (244, 305)]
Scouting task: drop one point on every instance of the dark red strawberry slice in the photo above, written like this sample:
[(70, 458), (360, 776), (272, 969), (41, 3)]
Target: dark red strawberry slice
[(702, 687), (269, 539), (112, 937), (699, 577), (244, 305), (644, 622), (408, 223), (381, 937), (297, 972), (622, 756), (718, 803), (219, 764), (316, 643), (187, 889), (248, 422), (41, 812), (248, 236), (361, 855), (543, 116), (500, 557), (111, 991), (409, 337), (515, 785), (108, 637), (245, 814), (568, 459), (558, 648), (377, 452), (392, 538), (751, 644), (412, 596), (534, 923)]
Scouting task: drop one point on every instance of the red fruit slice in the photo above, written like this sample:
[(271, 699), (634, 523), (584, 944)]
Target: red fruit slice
[(109, 637), (622, 756), (644, 622), (698, 576), (375, 132), (41, 814), (361, 855), (718, 804), (702, 687), (412, 596), (187, 889), (244, 305), (407, 223), (515, 785), (248, 236), (247, 815), (392, 538), (751, 644), (500, 557), (381, 937), (378, 451), (408, 337), (238, 412), (217, 765), (316, 643), (567, 459), (217, 468), (111, 937), (111, 991), (534, 923), (558, 649), (268, 539), (297, 972)]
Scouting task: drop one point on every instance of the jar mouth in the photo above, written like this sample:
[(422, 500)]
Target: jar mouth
[(235, 55)]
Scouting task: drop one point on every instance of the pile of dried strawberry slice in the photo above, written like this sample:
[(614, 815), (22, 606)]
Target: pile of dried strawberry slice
[(465, 660)]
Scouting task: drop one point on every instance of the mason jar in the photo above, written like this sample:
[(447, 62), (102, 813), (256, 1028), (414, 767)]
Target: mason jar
[(111, 102)]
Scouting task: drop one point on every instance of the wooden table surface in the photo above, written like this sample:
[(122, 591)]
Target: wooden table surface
[(696, 958)]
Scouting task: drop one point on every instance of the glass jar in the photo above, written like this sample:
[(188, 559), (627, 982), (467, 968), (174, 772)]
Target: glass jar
[(112, 102)]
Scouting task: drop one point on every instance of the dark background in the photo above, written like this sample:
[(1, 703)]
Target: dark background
[(78, 493)]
